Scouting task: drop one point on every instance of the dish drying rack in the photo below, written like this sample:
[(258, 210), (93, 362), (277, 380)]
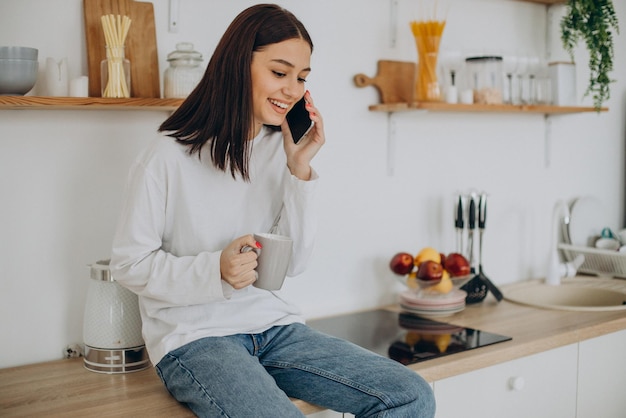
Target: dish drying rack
[(598, 262)]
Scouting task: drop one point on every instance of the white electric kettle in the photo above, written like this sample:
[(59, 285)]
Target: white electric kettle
[(112, 325)]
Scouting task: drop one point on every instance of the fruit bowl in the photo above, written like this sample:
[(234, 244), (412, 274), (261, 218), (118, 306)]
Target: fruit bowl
[(437, 287), (431, 273)]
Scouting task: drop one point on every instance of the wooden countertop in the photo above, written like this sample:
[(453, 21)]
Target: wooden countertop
[(65, 388)]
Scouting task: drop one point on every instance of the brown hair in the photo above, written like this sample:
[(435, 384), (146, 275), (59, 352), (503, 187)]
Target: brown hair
[(219, 109)]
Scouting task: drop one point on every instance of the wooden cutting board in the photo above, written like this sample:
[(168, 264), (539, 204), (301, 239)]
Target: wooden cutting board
[(395, 81), (141, 46)]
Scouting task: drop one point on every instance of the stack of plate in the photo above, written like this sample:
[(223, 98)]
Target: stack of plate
[(587, 218), (424, 304)]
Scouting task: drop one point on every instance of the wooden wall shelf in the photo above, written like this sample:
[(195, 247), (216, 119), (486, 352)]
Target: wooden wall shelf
[(99, 103), (481, 108), (83, 103), (548, 2)]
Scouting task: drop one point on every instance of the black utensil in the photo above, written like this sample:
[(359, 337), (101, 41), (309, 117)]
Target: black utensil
[(459, 225), (471, 223), (482, 219), (476, 288)]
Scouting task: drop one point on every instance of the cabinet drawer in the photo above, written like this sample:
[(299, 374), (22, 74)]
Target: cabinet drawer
[(541, 385)]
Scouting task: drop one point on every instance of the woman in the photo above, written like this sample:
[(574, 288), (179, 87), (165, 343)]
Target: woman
[(226, 170)]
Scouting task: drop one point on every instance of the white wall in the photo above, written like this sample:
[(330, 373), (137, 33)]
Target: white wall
[(61, 172)]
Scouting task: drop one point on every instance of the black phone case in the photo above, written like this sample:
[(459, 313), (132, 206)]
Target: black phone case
[(299, 120)]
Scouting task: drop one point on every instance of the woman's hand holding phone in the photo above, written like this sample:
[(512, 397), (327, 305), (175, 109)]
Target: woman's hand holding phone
[(299, 155), (299, 120)]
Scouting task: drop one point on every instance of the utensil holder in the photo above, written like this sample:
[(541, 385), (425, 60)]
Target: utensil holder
[(476, 291)]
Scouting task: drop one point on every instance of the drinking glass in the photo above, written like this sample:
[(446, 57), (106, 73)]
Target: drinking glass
[(509, 67), (522, 95), (534, 66)]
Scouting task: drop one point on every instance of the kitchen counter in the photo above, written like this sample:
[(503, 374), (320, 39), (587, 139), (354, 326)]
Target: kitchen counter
[(66, 389)]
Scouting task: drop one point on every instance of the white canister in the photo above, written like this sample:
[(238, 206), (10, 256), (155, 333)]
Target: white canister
[(485, 78), (184, 72), (79, 87), (563, 77), (112, 325)]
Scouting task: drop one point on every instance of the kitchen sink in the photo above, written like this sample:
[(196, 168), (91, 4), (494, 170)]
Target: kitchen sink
[(575, 294)]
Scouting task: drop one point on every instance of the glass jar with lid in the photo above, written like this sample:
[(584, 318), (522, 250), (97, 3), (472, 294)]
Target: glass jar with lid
[(485, 78), (184, 72)]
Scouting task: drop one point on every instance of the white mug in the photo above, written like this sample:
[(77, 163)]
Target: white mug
[(273, 260)]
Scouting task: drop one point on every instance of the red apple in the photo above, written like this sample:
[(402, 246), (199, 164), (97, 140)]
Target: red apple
[(401, 263), (457, 265), (430, 271)]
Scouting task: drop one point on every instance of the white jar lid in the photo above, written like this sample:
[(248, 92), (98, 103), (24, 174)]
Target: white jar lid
[(184, 51)]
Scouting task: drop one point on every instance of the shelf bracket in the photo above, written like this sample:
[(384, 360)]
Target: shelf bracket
[(393, 23), (173, 16), (391, 144), (548, 34), (547, 140)]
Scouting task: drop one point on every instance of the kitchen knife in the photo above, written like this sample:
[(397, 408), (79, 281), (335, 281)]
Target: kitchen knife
[(471, 222), (459, 225)]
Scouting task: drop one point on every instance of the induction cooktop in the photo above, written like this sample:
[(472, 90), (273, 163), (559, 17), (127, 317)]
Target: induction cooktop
[(405, 337)]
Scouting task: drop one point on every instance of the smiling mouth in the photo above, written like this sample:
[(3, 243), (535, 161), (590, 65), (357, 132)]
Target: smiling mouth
[(278, 104)]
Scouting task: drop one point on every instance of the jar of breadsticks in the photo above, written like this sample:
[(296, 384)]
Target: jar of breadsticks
[(115, 68)]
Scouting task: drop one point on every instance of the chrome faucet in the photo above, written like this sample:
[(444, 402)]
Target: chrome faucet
[(556, 268)]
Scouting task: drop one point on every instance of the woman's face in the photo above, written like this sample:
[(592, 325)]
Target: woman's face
[(278, 75)]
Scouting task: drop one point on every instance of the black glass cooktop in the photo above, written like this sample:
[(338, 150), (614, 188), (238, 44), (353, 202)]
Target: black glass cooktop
[(404, 337)]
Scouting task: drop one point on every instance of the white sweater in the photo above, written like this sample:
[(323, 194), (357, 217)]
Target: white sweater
[(178, 214)]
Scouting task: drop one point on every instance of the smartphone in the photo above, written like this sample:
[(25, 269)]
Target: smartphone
[(299, 121)]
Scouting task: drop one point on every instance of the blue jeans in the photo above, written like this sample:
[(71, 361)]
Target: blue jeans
[(243, 375)]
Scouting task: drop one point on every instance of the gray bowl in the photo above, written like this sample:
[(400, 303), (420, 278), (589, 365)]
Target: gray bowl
[(17, 76), (19, 52)]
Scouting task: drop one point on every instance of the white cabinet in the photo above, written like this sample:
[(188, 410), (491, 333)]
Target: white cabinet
[(540, 386), (602, 377), (329, 414), (584, 380), (325, 414)]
